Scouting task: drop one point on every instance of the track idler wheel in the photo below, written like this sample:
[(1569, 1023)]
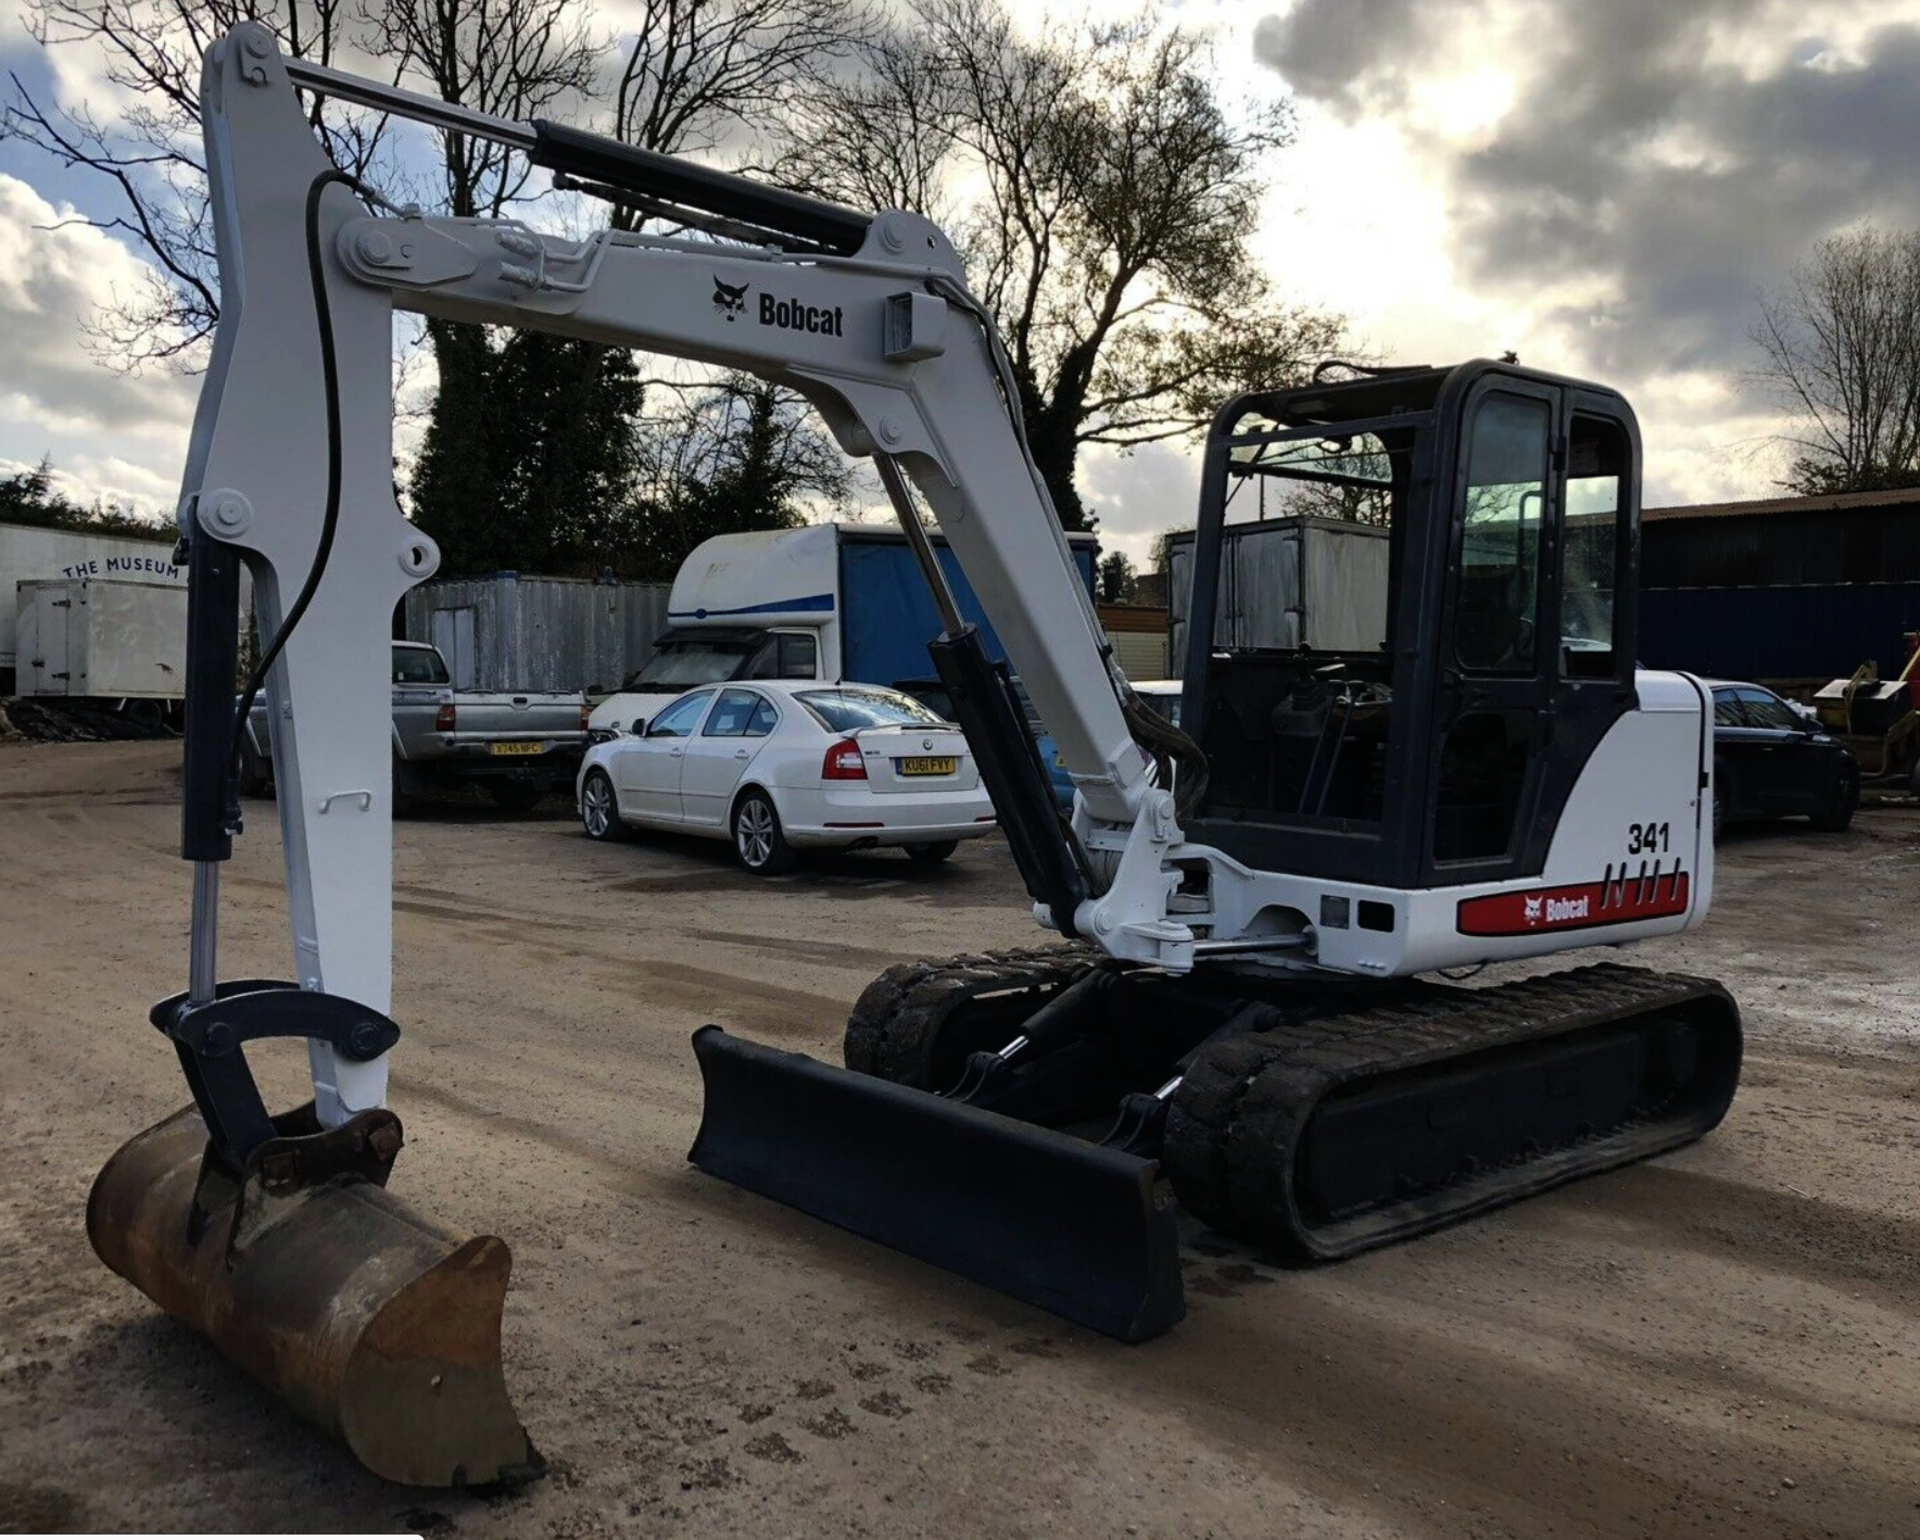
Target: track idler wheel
[(368, 1318)]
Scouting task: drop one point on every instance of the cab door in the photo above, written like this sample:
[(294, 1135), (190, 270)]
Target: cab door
[(1535, 660), (719, 755), (1494, 659)]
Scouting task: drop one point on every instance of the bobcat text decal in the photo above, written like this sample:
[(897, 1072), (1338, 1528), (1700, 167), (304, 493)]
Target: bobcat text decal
[(730, 303), (791, 315), (1614, 900)]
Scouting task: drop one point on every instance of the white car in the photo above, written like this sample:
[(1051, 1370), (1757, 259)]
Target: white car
[(779, 765)]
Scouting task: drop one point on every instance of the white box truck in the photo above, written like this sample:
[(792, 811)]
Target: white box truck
[(1297, 581), (108, 642), (834, 602), (34, 551)]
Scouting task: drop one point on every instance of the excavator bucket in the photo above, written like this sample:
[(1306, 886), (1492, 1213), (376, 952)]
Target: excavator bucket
[(368, 1318), (1058, 1222)]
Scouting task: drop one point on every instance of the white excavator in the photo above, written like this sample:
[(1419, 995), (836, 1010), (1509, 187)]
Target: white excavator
[(1237, 1006)]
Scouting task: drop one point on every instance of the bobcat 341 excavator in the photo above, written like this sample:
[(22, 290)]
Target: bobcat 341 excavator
[(1247, 902)]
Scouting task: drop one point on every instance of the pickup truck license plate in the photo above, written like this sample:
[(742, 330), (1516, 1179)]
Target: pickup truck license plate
[(943, 766), (515, 748)]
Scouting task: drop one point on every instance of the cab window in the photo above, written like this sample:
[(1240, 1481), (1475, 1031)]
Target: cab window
[(679, 719), (1593, 547), (1494, 623), (797, 654), (785, 655)]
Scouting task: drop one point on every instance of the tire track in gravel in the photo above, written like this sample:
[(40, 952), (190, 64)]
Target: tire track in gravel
[(793, 1012)]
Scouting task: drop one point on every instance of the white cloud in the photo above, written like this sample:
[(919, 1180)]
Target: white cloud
[(1604, 189), (115, 436), (1416, 201)]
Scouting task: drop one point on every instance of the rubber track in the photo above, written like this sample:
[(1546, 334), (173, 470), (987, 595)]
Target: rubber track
[(899, 1016), (1237, 1122)]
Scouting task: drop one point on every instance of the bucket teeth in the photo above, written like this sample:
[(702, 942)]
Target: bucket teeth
[(368, 1318)]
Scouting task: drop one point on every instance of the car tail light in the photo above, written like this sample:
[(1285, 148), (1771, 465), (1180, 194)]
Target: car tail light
[(443, 719), (585, 712), (844, 762)]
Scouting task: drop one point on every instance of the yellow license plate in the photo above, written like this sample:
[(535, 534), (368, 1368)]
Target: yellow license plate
[(515, 748), (928, 766)]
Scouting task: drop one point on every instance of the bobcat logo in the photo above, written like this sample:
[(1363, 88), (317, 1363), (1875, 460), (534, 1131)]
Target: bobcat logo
[(730, 299), (1531, 908)]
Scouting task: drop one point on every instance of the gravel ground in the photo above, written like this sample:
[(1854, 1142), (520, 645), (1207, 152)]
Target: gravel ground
[(1721, 1342)]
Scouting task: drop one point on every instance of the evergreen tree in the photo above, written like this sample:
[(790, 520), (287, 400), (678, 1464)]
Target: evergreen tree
[(30, 497), (530, 461)]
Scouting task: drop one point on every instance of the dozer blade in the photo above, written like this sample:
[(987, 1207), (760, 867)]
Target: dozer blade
[(1055, 1221), (366, 1317)]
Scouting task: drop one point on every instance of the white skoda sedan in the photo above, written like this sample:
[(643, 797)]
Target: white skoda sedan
[(781, 765)]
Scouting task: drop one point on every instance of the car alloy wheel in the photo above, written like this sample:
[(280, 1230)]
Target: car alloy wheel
[(757, 836), (754, 831), (597, 812)]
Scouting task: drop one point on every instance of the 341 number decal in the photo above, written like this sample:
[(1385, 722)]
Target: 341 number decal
[(1647, 839)]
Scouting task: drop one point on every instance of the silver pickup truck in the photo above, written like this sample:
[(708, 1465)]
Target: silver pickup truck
[(518, 744)]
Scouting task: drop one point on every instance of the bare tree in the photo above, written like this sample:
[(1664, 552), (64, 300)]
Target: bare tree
[(693, 72), (882, 137), (508, 58), (151, 50), (1840, 345), (744, 455), (1110, 236), (746, 425)]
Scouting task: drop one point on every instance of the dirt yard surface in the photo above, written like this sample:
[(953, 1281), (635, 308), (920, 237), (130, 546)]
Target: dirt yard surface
[(1720, 1343)]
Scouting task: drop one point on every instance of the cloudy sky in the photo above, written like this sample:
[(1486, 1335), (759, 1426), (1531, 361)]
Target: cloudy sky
[(1603, 187)]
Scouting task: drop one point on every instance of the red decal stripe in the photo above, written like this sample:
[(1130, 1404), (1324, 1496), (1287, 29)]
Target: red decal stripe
[(1580, 906)]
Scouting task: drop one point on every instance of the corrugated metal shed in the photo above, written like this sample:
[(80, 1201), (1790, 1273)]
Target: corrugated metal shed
[(510, 631), (1789, 503), (1858, 537), (1816, 632), (1781, 588)]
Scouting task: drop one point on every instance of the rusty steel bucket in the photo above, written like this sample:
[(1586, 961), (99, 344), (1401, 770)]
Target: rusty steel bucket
[(366, 1317)]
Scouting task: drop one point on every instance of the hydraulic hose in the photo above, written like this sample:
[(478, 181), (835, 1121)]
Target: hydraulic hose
[(1165, 742), (330, 379)]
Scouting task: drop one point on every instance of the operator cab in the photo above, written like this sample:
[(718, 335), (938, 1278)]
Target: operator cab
[(1443, 752)]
